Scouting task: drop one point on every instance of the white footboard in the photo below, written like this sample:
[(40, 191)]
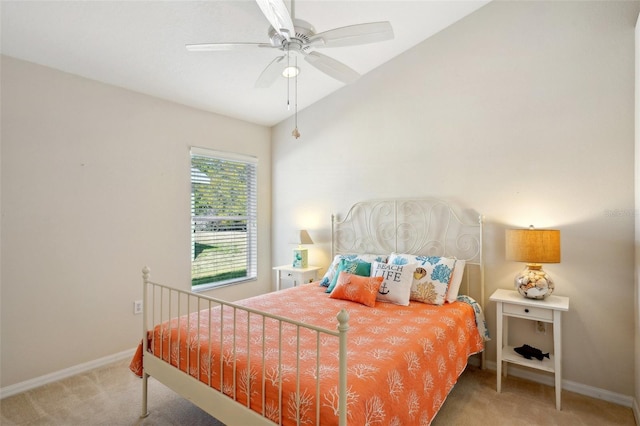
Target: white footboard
[(162, 304)]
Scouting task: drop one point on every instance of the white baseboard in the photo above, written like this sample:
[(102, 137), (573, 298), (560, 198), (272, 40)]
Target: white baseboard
[(63, 374), (591, 391), (636, 411)]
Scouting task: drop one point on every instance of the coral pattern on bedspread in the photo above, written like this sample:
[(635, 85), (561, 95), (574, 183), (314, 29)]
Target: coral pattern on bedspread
[(402, 360)]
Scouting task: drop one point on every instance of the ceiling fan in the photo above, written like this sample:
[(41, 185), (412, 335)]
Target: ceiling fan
[(295, 36)]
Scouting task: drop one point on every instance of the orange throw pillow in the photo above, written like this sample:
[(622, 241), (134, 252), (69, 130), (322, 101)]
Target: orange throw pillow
[(357, 288)]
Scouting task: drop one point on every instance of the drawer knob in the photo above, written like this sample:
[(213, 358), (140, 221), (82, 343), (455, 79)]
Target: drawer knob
[(526, 310)]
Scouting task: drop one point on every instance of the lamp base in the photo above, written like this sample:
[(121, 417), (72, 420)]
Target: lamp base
[(534, 283), (300, 258)]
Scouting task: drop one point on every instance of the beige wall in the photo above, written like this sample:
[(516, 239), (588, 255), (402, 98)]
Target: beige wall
[(523, 111), (95, 184)]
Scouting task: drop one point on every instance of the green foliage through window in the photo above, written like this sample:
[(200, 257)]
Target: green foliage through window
[(223, 218)]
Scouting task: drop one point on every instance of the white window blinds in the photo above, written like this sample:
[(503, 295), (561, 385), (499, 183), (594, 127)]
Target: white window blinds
[(223, 218)]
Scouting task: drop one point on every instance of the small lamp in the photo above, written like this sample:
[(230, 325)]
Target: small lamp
[(533, 246), (300, 254)]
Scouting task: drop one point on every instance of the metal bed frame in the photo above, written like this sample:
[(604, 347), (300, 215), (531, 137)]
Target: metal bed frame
[(423, 226), (163, 303)]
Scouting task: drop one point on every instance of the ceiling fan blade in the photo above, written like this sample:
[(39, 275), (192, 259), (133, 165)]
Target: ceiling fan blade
[(218, 47), (270, 73), (352, 35), (332, 67), (278, 16)]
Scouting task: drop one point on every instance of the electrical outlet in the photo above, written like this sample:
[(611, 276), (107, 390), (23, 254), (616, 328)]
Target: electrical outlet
[(541, 327), (137, 307)]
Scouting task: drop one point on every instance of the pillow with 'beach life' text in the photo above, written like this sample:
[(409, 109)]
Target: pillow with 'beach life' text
[(396, 283)]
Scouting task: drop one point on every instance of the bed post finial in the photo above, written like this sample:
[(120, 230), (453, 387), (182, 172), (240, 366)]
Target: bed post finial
[(343, 320), (145, 273)]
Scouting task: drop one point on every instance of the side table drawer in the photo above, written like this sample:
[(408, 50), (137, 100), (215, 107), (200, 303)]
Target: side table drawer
[(294, 279), (541, 314), (288, 280)]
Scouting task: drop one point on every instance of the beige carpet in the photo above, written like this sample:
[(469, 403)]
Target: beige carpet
[(111, 396)]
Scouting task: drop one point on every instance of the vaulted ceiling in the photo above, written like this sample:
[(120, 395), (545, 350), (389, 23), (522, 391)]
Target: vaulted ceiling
[(140, 45)]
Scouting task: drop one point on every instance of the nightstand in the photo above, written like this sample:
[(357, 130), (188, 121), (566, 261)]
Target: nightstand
[(295, 276), (510, 303)]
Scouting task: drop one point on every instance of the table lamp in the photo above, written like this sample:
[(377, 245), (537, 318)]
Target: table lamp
[(533, 246), (301, 254)]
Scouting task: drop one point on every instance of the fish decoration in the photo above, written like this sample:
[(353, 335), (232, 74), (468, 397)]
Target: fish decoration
[(530, 352)]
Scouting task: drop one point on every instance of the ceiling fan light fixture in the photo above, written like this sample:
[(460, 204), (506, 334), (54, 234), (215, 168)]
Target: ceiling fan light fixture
[(290, 71)]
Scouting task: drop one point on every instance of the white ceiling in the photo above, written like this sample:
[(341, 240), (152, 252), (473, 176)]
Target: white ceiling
[(140, 45)]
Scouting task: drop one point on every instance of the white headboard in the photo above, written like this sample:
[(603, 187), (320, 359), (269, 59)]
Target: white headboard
[(420, 226)]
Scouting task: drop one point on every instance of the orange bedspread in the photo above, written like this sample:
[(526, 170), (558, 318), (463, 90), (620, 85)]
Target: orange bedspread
[(402, 360)]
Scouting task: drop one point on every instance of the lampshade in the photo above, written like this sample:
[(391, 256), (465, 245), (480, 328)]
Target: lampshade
[(533, 246), (301, 237)]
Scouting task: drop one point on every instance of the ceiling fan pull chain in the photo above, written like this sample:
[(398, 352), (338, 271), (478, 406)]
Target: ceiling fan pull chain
[(288, 83), (296, 132)]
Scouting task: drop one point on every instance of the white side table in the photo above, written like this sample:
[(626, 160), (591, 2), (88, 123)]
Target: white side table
[(510, 303), (296, 276)]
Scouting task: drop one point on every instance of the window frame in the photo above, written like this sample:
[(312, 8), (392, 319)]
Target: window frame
[(251, 214)]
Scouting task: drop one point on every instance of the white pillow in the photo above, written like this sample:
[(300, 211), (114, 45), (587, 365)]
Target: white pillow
[(396, 283), (456, 280)]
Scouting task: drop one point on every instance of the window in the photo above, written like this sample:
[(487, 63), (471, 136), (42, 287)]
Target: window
[(223, 218)]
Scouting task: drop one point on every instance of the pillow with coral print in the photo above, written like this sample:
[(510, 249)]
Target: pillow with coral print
[(356, 288), (431, 277)]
